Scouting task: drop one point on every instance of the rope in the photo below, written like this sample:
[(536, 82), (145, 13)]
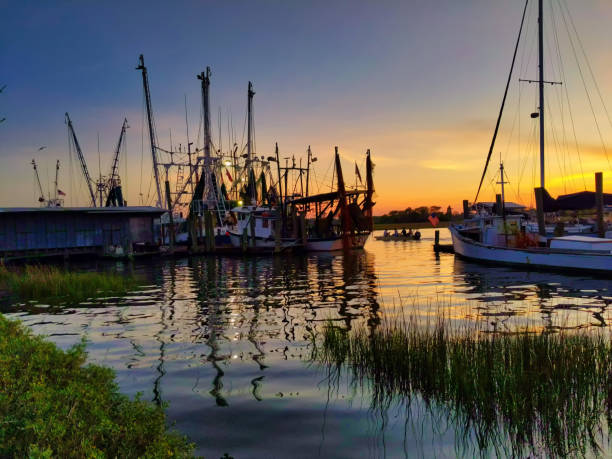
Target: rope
[(503, 102), (592, 77)]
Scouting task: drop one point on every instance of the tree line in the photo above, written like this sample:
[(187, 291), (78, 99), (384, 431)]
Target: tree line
[(418, 214)]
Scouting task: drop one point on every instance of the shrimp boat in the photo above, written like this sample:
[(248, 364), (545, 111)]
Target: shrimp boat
[(258, 230), (502, 237), (340, 220)]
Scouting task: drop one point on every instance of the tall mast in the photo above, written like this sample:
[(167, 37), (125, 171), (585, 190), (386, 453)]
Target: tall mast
[(205, 77), (56, 174), (541, 86), (41, 197), (250, 94), (145, 84), (308, 169), (207, 171), (77, 147), (113, 176)]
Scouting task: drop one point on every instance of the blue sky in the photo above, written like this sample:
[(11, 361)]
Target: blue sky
[(418, 82)]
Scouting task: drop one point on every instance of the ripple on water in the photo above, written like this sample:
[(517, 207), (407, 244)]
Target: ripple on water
[(226, 340)]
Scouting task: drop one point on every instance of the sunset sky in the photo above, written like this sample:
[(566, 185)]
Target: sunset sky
[(417, 82)]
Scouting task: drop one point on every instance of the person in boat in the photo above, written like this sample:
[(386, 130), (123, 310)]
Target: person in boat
[(410, 232), (386, 233), (404, 232), (395, 233), (417, 235)]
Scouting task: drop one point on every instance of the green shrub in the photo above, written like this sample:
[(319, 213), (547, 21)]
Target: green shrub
[(53, 405)]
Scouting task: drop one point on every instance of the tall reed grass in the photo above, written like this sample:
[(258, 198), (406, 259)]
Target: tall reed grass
[(52, 284), (525, 393)]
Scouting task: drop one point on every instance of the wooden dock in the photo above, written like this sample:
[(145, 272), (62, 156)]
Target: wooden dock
[(444, 248)]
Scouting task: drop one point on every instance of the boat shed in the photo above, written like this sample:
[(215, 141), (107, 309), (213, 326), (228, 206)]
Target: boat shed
[(33, 232)]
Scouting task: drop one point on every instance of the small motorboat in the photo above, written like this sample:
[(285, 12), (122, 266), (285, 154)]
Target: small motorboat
[(400, 237)]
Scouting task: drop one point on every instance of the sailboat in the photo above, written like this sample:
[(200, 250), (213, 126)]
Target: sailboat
[(508, 238)]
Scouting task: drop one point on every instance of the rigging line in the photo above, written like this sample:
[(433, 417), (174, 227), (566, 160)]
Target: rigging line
[(141, 149), (530, 46), (555, 74), (551, 128), (125, 170), (559, 92), (530, 146), (503, 102), (246, 116), (586, 89), (569, 105), (588, 63)]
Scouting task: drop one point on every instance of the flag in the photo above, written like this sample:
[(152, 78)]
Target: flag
[(433, 219), (357, 173), (229, 175), (61, 193)]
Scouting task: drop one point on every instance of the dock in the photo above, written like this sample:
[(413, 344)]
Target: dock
[(441, 248)]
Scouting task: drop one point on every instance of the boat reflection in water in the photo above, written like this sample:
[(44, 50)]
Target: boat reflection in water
[(514, 299)]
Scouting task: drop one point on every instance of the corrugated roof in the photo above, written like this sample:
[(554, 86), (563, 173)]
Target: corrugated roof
[(85, 210)]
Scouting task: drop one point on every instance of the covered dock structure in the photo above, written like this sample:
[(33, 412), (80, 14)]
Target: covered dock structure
[(36, 232)]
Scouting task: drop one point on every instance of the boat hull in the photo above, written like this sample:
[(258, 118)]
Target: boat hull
[(531, 258), (262, 244), (335, 243), (397, 238)]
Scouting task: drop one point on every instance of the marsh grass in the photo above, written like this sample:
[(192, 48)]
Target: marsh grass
[(53, 405), (520, 393), (54, 285)]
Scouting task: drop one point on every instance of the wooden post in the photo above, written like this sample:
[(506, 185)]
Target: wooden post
[(277, 232), (599, 204), (466, 209), (437, 240), (192, 219), (539, 197), (252, 228), (209, 231), (169, 201), (212, 231), (499, 205), (303, 228), (244, 241)]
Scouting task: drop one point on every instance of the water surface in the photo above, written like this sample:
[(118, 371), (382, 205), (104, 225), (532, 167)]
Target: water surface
[(226, 341)]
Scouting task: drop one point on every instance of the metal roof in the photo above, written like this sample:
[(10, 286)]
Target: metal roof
[(128, 210), (325, 197)]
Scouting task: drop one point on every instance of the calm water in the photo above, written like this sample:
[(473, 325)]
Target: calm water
[(226, 341)]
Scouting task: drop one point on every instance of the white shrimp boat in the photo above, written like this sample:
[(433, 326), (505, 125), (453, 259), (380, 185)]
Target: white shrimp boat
[(254, 230)]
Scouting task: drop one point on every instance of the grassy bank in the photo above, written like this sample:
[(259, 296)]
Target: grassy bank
[(413, 225), (53, 405), (514, 394), (52, 284)]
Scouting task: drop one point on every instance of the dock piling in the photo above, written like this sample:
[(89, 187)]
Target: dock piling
[(601, 230)]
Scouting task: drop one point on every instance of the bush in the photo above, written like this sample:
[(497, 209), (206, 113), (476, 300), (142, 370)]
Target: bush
[(53, 405)]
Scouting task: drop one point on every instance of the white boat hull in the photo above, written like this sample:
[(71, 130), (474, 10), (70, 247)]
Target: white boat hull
[(262, 244), (335, 243), (531, 257)]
